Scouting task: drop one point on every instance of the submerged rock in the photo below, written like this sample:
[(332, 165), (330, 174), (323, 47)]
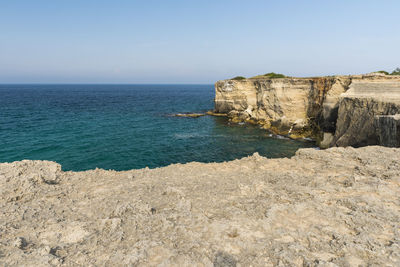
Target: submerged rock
[(334, 207), (189, 115), (212, 113)]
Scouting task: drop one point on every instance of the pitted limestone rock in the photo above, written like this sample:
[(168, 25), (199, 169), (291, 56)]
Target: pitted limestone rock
[(334, 207)]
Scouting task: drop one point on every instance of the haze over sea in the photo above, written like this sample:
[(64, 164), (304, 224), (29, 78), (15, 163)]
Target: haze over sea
[(124, 127)]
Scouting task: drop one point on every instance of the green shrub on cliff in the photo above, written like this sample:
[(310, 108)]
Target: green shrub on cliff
[(270, 75), (274, 75), (396, 72), (238, 78), (382, 71)]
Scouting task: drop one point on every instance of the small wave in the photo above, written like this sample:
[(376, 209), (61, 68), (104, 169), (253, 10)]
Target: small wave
[(197, 135), (277, 136), (187, 135)]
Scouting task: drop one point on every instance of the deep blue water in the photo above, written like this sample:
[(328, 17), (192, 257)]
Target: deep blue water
[(123, 127)]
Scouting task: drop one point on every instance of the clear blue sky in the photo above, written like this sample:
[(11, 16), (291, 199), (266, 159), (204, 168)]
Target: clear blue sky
[(148, 41)]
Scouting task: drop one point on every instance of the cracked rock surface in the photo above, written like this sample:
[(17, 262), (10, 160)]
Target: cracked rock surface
[(336, 207)]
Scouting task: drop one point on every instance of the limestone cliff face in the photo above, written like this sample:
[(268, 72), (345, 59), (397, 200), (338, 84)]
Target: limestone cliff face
[(282, 104), (388, 129), (314, 107), (358, 109)]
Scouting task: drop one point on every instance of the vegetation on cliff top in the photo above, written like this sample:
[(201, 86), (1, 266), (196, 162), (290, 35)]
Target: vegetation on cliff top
[(395, 72), (273, 75), (238, 78), (382, 71), (270, 75)]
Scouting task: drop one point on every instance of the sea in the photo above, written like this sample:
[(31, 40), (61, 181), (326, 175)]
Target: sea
[(124, 127)]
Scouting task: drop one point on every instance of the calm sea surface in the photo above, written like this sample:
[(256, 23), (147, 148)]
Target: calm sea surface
[(123, 127)]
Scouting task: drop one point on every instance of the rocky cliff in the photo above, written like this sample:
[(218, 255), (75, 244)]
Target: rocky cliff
[(388, 129), (334, 207), (360, 106), (279, 104), (309, 107)]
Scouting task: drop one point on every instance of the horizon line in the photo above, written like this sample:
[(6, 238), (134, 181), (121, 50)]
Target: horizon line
[(94, 83)]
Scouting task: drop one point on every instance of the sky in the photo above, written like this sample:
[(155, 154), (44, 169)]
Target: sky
[(176, 41)]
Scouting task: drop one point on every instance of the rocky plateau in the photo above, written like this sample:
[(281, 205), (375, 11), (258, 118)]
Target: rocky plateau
[(334, 207)]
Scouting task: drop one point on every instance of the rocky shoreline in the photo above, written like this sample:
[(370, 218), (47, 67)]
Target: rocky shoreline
[(334, 207), (335, 110)]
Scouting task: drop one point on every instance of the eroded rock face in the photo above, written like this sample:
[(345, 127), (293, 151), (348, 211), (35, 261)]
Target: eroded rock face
[(388, 129), (358, 108), (334, 207), (310, 106), (282, 103)]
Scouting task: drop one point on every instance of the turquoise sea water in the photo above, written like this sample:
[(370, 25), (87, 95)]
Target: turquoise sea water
[(124, 127)]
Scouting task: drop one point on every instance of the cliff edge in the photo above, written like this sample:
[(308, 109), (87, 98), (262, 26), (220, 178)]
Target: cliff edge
[(324, 108), (334, 207)]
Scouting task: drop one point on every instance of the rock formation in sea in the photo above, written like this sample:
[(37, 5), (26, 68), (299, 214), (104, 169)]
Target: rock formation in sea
[(337, 110), (334, 207)]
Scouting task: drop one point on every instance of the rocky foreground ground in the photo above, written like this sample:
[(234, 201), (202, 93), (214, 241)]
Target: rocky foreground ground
[(338, 207)]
